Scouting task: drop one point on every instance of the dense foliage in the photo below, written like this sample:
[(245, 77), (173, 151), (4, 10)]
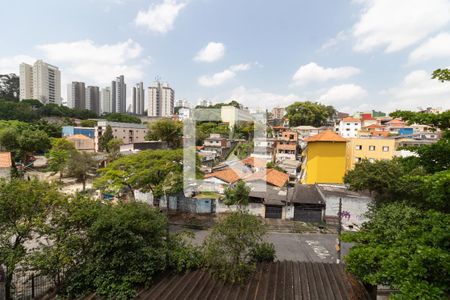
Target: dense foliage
[(9, 87), (124, 118), (85, 245), (145, 170), (237, 195), (406, 248), (441, 74), (33, 110), (166, 130), (405, 244), (309, 113), (234, 245), (441, 120)]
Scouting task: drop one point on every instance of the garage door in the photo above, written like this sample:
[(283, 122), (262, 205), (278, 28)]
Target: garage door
[(273, 212), (306, 214)]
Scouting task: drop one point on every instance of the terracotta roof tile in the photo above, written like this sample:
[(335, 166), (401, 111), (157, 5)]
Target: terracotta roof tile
[(351, 119), (326, 136), (227, 175), (78, 137), (5, 160), (254, 162), (271, 176)]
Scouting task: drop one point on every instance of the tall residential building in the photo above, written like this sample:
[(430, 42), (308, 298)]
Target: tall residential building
[(119, 95), (138, 98), (161, 100), (106, 100), (76, 95), (41, 81), (278, 112), (93, 99)]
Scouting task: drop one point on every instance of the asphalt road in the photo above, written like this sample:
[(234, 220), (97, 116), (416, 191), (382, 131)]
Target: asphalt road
[(295, 246)]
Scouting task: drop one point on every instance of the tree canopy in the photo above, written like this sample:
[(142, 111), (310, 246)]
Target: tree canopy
[(145, 170), (124, 118), (441, 120), (9, 87), (405, 248), (441, 74), (166, 130), (234, 245), (309, 113)]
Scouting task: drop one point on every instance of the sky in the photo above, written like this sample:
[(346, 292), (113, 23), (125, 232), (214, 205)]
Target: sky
[(356, 55)]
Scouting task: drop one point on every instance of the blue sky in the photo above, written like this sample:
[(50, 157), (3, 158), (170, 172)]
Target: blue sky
[(355, 55)]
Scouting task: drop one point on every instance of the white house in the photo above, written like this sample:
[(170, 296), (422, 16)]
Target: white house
[(349, 127)]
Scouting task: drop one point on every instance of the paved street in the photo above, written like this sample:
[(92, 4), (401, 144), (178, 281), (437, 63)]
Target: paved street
[(294, 246)]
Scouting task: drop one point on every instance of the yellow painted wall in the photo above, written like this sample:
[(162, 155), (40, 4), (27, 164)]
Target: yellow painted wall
[(326, 162), (377, 154)]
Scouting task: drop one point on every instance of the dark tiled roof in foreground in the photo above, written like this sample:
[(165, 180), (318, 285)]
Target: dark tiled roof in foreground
[(280, 280)]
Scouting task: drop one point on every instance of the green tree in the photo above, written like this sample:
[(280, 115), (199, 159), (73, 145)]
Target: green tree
[(31, 141), (272, 165), (145, 170), (237, 195), (228, 249), (8, 138), (309, 113), (124, 118), (166, 130), (105, 138), (113, 147), (9, 87), (59, 155), (81, 165), (88, 123), (24, 206), (441, 120), (441, 74), (405, 248)]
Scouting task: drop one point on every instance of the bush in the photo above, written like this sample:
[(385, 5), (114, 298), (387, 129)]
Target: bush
[(183, 256), (264, 252)]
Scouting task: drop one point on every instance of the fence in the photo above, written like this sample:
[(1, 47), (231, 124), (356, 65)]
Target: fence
[(29, 285)]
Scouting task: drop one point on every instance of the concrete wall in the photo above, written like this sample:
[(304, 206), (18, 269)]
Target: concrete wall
[(257, 209), (353, 209)]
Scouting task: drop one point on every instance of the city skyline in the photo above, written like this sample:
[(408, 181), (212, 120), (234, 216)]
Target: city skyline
[(341, 53)]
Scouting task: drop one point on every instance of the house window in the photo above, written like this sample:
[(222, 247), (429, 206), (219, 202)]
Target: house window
[(358, 147), (347, 129), (371, 148), (385, 148), (348, 124), (358, 159), (356, 124), (372, 160)]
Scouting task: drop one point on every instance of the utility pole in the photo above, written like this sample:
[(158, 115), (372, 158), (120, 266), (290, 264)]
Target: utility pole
[(338, 246)]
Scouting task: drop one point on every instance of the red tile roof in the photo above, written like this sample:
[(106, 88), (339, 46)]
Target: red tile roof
[(254, 162), (227, 175), (326, 136), (271, 176), (374, 126), (351, 119), (5, 160)]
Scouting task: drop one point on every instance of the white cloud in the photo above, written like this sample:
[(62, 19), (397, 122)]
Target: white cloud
[(11, 64), (95, 64), (435, 47), (212, 52), (397, 24), (314, 73), (331, 43), (418, 90), (256, 98), (343, 94), (160, 17), (222, 77), (87, 51)]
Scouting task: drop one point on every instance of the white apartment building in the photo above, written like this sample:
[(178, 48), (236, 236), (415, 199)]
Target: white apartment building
[(41, 81), (138, 98), (93, 99), (161, 100), (105, 96), (349, 127), (278, 112), (76, 95), (119, 95)]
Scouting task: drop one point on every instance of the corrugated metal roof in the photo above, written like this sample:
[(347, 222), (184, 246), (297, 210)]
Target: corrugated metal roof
[(285, 280)]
